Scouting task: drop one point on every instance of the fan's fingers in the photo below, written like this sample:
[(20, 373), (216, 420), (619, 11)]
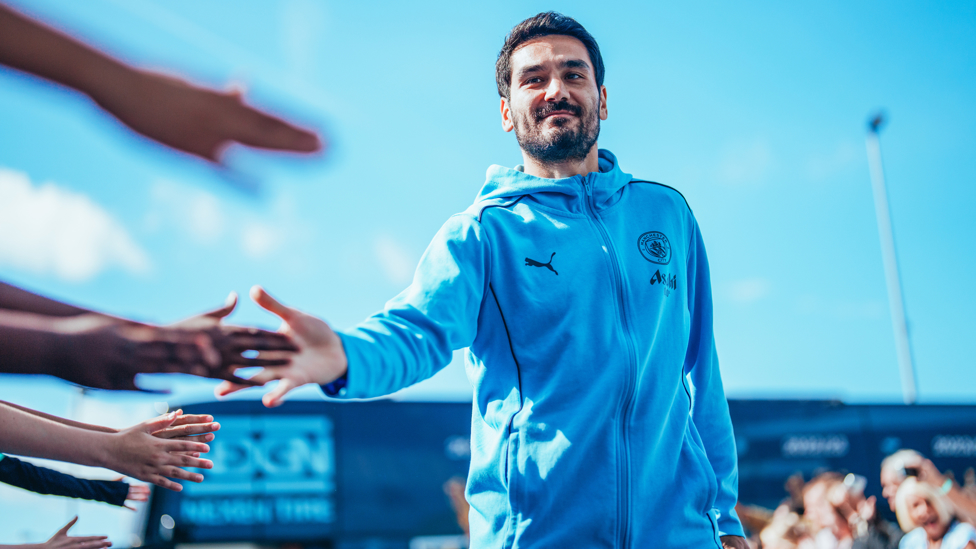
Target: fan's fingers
[(91, 544), (187, 430), (206, 437), (182, 474), (252, 127), (260, 378), (183, 446), (226, 309), (259, 340), (64, 530), (187, 419), (183, 460), (83, 539), (229, 377), (164, 482), (261, 362)]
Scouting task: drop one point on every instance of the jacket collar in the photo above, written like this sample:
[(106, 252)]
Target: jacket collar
[(507, 183)]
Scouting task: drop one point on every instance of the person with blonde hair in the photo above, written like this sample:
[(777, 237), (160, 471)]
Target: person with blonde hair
[(929, 519)]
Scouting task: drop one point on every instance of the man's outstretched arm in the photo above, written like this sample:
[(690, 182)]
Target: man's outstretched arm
[(191, 119), (409, 341)]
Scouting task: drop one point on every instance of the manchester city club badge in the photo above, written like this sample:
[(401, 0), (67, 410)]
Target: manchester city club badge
[(654, 246)]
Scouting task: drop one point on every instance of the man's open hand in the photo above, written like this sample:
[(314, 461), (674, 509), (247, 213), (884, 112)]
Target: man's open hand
[(320, 358)]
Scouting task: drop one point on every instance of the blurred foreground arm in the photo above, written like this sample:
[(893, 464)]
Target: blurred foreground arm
[(134, 452), (195, 120), (42, 336), (61, 540)]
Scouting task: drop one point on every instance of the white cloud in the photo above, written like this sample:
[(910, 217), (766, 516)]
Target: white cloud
[(47, 229), (748, 290), (398, 265), (745, 163), (195, 211), (258, 239), (209, 221)]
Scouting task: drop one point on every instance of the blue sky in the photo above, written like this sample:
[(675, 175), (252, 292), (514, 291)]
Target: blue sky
[(755, 111)]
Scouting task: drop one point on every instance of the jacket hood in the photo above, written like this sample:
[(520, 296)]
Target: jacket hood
[(502, 182)]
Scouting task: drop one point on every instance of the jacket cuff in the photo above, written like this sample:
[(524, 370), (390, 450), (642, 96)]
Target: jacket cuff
[(728, 523), (352, 384)]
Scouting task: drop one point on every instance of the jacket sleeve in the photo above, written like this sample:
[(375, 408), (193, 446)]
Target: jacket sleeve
[(710, 409), (416, 333), (48, 481)]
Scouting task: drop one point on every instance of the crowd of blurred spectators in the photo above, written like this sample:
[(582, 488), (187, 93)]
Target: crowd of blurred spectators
[(831, 510)]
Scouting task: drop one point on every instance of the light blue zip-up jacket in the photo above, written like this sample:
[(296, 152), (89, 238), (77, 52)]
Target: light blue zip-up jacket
[(599, 418)]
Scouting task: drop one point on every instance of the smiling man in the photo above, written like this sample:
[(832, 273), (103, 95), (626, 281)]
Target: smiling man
[(583, 297)]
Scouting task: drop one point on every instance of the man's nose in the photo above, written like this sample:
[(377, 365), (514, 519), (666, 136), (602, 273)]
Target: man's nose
[(555, 91)]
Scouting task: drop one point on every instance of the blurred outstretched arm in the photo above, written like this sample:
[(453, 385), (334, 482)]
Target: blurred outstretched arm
[(42, 336), (13, 298), (192, 119)]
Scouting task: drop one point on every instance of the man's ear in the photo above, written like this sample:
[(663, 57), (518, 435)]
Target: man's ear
[(603, 102), (507, 123)]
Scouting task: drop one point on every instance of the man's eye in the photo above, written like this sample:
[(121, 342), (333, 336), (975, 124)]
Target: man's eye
[(534, 80), (574, 76)]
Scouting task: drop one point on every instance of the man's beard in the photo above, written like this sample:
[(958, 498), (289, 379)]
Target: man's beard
[(562, 143)]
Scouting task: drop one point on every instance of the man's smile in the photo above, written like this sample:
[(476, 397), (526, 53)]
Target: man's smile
[(558, 109), (560, 113)]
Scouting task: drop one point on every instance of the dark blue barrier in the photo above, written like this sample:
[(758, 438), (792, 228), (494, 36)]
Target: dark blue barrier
[(319, 471), (331, 472)]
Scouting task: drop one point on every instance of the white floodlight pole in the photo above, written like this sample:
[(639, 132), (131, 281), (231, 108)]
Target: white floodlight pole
[(895, 301)]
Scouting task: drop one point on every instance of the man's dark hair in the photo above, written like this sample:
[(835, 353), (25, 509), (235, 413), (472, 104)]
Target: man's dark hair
[(544, 24)]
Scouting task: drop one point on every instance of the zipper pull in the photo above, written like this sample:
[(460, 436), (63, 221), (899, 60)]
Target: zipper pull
[(586, 185)]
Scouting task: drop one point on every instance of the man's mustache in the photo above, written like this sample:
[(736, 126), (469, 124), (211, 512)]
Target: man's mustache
[(563, 105)]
